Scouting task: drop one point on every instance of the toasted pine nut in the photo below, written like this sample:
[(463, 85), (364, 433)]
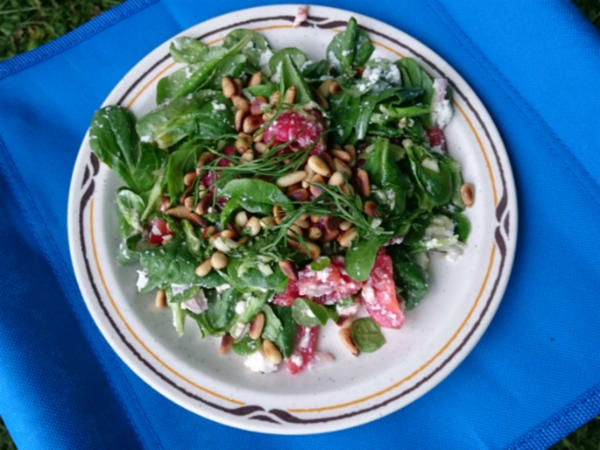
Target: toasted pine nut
[(314, 250), (188, 202), (363, 180), (239, 119), (218, 260), (255, 79), (189, 178), (288, 268), (256, 326), (179, 212), (197, 220), (319, 166), (351, 150), (226, 343), (252, 226), (302, 221), (274, 98), (346, 336), (260, 147), (466, 194), (290, 95), (204, 268), (323, 88), (267, 222), (241, 145), (315, 219), (341, 166), (345, 225), (294, 230), (251, 124), (291, 178), (257, 105), (346, 238), (208, 232), (240, 103), (271, 352), (228, 86), (161, 299), (341, 154), (299, 195), (248, 155), (330, 235), (314, 233), (335, 88), (277, 214), (240, 219), (337, 179), (228, 234), (370, 208)]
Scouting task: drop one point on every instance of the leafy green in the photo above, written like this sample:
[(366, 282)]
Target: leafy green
[(188, 50), (315, 70), (349, 49), (261, 90), (414, 76), (320, 263), (295, 54), (345, 110), (246, 346), (463, 226), (309, 313), (221, 309), (194, 244), (286, 339), (411, 279), (114, 141), (254, 49), (130, 207), (273, 326), (244, 275), (366, 335), (205, 114), (179, 163), (433, 174), (290, 76), (360, 257)]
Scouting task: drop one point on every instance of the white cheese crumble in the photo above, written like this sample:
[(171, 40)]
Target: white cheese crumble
[(142, 280), (257, 362), (238, 330), (240, 307), (177, 289), (431, 164), (441, 106), (439, 236), (218, 106)]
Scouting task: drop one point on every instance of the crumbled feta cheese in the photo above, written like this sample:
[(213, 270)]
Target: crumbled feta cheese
[(347, 310), (257, 362), (240, 307), (177, 289), (238, 330), (431, 164), (297, 359), (441, 106), (218, 106), (142, 280), (223, 287), (197, 305), (439, 236)]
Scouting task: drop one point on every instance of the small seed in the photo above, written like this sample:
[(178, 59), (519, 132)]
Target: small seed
[(302, 221), (258, 137), (189, 178), (337, 179), (291, 178), (228, 234), (274, 98), (319, 166), (294, 230), (256, 326), (197, 220), (226, 343), (362, 178), (228, 86), (346, 238), (345, 225), (255, 79), (240, 219), (351, 150), (240, 103), (313, 249), (330, 235), (257, 105), (267, 222), (252, 226), (241, 145), (466, 194), (188, 202), (271, 352), (314, 233), (290, 95), (204, 268), (248, 155), (341, 166), (299, 195), (208, 232), (161, 299), (287, 268), (316, 178), (164, 203), (341, 154), (370, 208), (260, 147), (251, 124), (204, 204), (335, 88), (268, 116), (239, 119), (346, 337), (179, 212), (324, 88), (218, 260), (277, 214)]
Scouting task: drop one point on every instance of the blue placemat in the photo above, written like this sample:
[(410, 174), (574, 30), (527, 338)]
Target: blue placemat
[(532, 379)]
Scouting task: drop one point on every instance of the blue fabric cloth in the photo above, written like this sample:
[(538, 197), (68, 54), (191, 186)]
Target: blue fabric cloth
[(532, 379)]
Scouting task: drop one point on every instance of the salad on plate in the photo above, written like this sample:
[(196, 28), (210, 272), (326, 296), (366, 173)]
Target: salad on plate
[(268, 195)]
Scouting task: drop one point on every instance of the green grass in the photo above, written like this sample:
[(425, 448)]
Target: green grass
[(26, 24)]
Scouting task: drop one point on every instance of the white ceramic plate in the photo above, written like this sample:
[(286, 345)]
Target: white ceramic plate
[(437, 335)]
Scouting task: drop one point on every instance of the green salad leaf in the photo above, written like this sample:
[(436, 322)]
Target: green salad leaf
[(366, 335)]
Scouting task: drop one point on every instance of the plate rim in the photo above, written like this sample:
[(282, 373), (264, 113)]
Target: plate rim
[(493, 137)]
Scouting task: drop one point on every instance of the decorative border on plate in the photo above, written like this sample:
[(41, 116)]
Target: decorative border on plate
[(277, 416)]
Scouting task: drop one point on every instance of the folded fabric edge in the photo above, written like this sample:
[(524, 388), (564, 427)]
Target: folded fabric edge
[(74, 37), (562, 423), (48, 246)]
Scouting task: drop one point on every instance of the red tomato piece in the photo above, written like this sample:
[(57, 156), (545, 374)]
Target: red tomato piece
[(302, 129), (329, 285), (304, 349), (159, 232), (379, 293), (287, 297)]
